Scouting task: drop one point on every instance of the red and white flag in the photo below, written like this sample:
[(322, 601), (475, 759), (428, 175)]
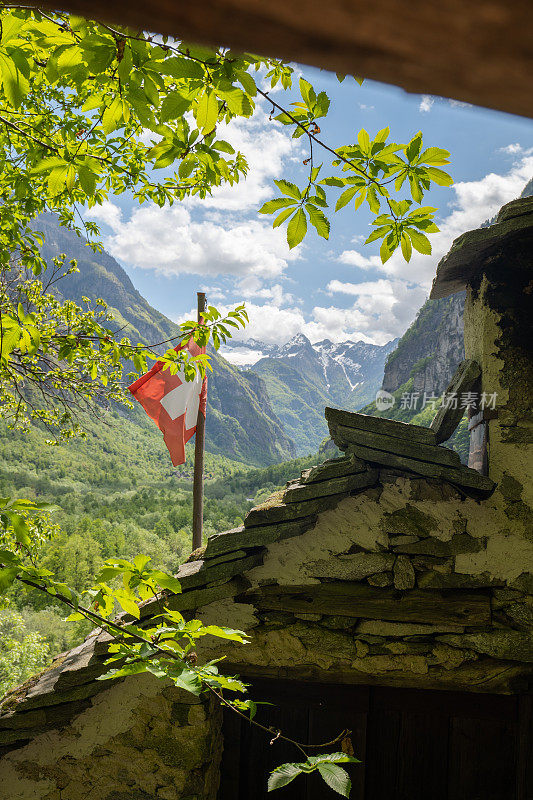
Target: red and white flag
[(172, 402)]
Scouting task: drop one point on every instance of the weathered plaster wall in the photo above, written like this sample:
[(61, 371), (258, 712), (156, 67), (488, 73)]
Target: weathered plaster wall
[(499, 335), (139, 740), (427, 549)]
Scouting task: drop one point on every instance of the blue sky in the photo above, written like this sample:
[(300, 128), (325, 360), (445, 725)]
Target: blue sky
[(337, 288)]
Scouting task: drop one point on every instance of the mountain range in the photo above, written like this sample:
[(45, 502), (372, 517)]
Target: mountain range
[(303, 377)]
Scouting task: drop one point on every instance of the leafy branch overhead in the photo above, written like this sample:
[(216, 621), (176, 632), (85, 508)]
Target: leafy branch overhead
[(88, 110), (367, 171)]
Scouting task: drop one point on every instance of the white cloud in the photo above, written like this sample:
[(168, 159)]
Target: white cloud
[(267, 323), (365, 107), (241, 356), (516, 149), (357, 259), (373, 288), (426, 103), (214, 294), (383, 309), (252, 286), (215, 235), (168, 241)]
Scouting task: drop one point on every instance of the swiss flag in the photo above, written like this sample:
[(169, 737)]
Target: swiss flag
[(172, 402)]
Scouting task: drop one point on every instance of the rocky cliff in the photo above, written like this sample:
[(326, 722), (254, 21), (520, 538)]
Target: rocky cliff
[(430, 349)]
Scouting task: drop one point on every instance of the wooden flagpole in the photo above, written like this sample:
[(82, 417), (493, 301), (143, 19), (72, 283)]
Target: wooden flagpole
[(198, 477)]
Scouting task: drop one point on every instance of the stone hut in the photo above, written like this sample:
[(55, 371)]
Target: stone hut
[(388, 592)]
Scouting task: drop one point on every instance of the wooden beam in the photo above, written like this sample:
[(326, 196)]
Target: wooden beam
[(479, 51)]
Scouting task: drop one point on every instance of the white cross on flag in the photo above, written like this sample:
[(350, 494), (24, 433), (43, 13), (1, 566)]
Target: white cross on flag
[(172, 402)]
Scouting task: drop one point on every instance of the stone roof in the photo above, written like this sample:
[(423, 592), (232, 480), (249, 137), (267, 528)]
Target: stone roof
[(218, 570), (471, 251)]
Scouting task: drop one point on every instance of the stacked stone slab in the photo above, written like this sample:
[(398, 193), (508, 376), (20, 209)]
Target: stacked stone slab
[(410, 448)]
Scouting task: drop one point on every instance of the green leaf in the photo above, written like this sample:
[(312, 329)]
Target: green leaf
[(129, 669), (420, 242), (166, 581), (248, 83), (360, 200), (189, 681), (308, 93), (179, 67), (379, 233), (207, 112), (333, 182), (385, 251), (364, 141), (173, 106), (434, 155), (223, 147), (319, 220), (373, 201), (87, 180), (285, 214), (382, 135), (345, 197), (413, 148), (11, 26), (406, 247), (288, 188), (336, 778), (112, 115), (274, 205), (439, 176), (128, 603), (187, 166), (7, 576), (296, 229), (16, 85), (47, 164), (416, 191), (57, 179), (70, 59), (283, 775), (225, 633)]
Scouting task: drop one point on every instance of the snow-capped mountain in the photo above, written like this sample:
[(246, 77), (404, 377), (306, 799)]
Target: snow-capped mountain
[(302, 378)]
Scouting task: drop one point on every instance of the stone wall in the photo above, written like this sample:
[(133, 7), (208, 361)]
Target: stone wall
[(138, 740), (407, 584)]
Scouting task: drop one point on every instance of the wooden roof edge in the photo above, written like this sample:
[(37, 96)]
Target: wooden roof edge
[(473, 52)]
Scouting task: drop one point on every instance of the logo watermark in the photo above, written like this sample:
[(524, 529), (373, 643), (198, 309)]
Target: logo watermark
[(384, 400), (418, 401)]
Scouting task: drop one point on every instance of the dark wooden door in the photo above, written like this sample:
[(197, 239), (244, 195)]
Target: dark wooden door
[(413, 744)]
